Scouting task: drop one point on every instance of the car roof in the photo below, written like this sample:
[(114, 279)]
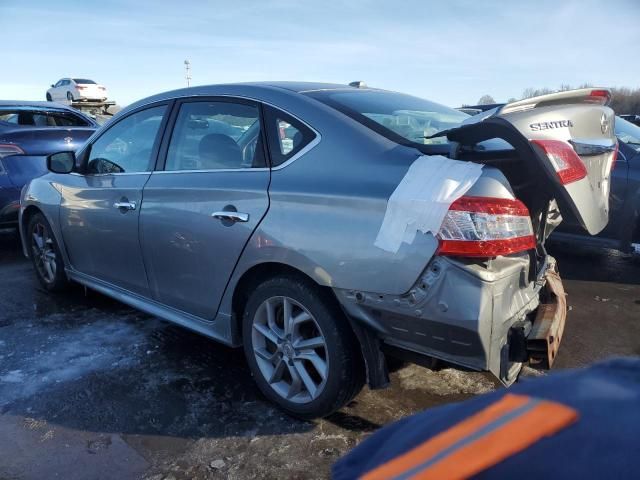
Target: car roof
[(300, 87), (241, 88)]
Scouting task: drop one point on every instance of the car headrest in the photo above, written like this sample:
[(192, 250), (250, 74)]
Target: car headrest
[(217, 150)]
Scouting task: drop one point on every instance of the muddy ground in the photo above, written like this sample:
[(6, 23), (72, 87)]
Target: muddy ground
[(90, 388)]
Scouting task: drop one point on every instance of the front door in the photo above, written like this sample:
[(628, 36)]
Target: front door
[(100, 208), (201, 209)]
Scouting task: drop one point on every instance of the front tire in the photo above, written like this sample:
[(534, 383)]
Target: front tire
[(45, 254), (49, 97), (300, 348)]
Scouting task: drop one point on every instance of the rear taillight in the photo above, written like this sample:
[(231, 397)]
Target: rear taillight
[(101, 87), (564, 159), (600, 96), (80, 87), (486, 227), (8, 149)]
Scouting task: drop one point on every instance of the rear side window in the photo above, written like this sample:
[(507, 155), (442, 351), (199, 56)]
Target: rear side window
[(286, 135), (41, 118), (216, 135)]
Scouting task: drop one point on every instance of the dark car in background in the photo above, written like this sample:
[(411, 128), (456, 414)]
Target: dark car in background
[(635, 119), (28, 132), (623, 230)]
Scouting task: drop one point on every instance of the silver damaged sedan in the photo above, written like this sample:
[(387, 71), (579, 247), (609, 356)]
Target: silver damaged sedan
[(325, 227)]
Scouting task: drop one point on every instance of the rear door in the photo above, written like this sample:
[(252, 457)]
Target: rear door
[(202, 205), (100, 209), (568, 138)]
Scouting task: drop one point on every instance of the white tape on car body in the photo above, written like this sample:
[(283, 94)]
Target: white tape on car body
[(423, 197)]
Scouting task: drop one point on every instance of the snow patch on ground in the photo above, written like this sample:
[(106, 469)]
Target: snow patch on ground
[(57, 355), (447, 381)]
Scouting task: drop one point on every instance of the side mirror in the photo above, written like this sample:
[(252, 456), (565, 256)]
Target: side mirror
[(61, 162), (52, 85)]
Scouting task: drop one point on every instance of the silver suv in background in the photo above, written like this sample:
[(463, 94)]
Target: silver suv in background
[(317, 225)]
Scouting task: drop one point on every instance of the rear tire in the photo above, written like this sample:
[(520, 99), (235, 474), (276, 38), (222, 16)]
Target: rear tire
[(70, 96), (45, 254), (311, 368)]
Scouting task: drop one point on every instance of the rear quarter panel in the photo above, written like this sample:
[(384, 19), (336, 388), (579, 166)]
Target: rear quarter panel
[(326, 209)]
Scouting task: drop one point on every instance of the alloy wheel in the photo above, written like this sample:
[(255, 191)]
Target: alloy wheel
[(290, 349), (43, 252)]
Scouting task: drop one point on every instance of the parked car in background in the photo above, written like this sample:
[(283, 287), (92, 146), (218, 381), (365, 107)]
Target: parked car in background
[(357, 234), (635, 119), (28, 132), (76, 89), (623, 230)]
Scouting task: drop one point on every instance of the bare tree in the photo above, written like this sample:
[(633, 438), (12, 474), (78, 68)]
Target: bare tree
[(486, 100)]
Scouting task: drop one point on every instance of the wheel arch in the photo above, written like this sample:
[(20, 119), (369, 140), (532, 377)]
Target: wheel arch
[(261, 272), (372, 356), (25, 218)]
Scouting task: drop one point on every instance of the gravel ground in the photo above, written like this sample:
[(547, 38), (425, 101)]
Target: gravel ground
[(90, 388)]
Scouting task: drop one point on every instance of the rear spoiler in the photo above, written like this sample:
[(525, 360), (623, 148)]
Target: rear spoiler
[(593, 96), (599, 96)]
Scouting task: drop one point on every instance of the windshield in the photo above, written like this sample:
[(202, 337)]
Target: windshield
[(628, 133), (84, 81), (397, 116)]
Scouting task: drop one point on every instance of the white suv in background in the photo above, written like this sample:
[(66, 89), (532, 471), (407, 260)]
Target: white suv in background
[(73, 89)]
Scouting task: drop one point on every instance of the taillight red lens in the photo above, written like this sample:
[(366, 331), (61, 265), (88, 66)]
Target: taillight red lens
[(80, 87), (600, 96), (486, 227), (8, 149), (564, 159)]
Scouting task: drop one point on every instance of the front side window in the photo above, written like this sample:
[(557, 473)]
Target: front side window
[(128, 145), (215, 135), (399, 117)]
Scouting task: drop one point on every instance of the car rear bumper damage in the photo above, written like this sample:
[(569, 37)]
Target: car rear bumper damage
[(546, 333), (491, 316)]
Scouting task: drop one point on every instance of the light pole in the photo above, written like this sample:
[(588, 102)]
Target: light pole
[(187, 67)]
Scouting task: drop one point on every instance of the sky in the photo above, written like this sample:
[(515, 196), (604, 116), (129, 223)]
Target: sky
[(451, 52)]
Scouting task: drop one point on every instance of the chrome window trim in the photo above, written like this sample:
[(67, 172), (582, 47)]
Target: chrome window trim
[(149, 172), (309, 146), (243, 169)]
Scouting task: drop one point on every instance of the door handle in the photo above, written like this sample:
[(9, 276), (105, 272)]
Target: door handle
[(122, 205), (231, 216)]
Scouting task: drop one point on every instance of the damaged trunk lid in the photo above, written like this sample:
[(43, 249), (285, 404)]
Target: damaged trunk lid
[(565, 147)]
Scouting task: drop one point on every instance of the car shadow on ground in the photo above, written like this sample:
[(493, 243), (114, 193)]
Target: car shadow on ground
[(84, 361)]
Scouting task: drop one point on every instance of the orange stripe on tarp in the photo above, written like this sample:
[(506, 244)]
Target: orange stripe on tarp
[(543, 419)]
